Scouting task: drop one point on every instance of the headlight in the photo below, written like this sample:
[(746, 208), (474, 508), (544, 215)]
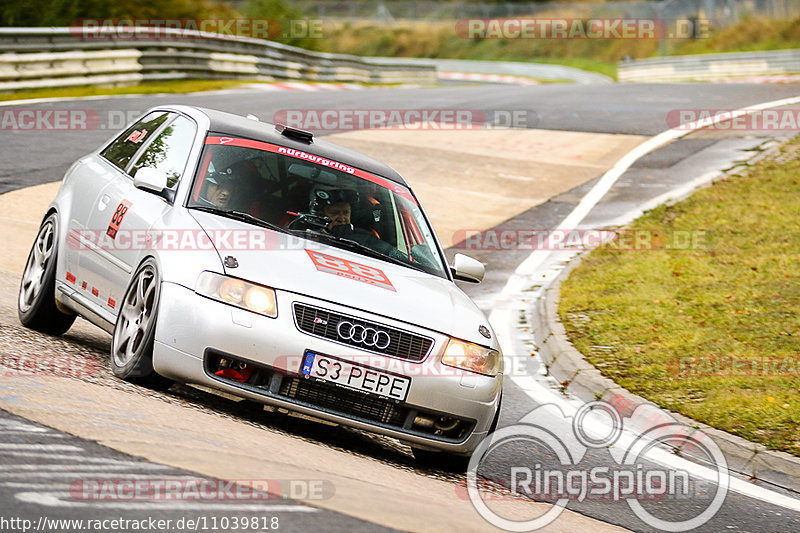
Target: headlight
[(472, 357), (237, 292)]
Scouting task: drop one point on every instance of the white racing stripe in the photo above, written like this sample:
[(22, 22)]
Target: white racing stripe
[(28, 101), (10, 432), (510, 304), (42, 447), (13, 426), (51, 484), (92, 475), (66, 457), (85, 468), (53, 499)]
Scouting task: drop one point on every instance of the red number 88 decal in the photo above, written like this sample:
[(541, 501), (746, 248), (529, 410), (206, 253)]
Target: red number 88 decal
[(350, 269), (117, 218)]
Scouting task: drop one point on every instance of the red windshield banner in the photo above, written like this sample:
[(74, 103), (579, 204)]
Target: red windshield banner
[(299, 154)]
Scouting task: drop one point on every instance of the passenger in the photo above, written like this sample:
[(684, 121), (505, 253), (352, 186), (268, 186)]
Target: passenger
[(339, 213), (336, 204)]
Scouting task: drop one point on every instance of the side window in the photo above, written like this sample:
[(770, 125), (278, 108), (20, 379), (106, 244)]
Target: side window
[(169, 151), (120, 152)]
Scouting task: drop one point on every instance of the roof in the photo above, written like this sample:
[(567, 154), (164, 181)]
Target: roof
[(235, 125)]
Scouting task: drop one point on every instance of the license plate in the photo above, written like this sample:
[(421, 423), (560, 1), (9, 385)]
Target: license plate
[(355, 376)]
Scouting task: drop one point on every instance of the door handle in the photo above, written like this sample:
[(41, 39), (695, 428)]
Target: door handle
[(103, 202)]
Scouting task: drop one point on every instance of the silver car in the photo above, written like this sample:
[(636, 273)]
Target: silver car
[(258, 260)]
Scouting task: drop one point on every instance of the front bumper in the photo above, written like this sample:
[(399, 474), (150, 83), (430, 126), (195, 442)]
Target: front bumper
[(193, 333)]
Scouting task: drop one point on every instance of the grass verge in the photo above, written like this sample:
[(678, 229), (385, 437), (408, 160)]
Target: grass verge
[(440, 40), (708, 327)]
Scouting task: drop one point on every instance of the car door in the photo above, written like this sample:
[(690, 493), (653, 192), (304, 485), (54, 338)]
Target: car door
[(88, 184), (124, 214)]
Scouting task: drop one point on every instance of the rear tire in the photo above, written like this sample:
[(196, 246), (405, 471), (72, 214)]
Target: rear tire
[(36, 304), (134, 332)]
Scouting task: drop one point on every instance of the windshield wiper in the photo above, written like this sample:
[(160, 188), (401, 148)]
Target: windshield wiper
[(240, 215), (343, 242), (366, 250)]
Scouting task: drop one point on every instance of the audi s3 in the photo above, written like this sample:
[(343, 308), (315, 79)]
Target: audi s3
[(258, 260)]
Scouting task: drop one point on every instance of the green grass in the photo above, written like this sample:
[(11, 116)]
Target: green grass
[(181, 86), (667, 323), (439, 40)]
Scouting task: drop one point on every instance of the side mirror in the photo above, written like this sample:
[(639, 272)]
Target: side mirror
[(466, 268), (152, 180)]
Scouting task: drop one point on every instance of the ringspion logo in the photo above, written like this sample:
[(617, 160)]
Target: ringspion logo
[(563, 477)]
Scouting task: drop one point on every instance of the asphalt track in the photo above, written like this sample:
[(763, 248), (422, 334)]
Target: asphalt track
[(30, 158)]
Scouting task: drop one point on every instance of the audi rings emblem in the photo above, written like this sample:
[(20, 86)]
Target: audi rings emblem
[(374, 338)]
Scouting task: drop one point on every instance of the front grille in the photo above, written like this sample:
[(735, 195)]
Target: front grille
[(323, 323), (342, 400)]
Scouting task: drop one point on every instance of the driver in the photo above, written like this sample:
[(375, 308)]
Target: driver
[(233, 185), (220, 190)]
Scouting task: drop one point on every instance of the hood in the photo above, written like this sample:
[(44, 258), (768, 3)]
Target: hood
[(288, 263)]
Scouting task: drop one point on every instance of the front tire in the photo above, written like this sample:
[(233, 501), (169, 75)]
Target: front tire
[(134, 332), (36, 304)]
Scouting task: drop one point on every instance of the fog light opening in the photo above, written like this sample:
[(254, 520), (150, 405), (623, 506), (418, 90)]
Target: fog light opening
[(443, 426), (233, 369), (446, 424)]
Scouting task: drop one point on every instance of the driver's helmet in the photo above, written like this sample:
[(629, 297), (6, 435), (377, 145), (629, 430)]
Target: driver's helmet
[(219, 179), (320, 198), (244, 172), (242, 177)]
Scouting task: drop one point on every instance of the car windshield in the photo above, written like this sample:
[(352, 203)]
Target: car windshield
[(316, 198)]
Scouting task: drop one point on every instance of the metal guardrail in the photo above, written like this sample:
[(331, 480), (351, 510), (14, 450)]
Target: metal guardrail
[(512, 68), (58, 57), (710, 67)]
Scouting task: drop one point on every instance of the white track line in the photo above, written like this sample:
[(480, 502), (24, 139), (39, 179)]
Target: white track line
[(54, 499), (508, 304), (73, 98), (41, 447), (520, 277)]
